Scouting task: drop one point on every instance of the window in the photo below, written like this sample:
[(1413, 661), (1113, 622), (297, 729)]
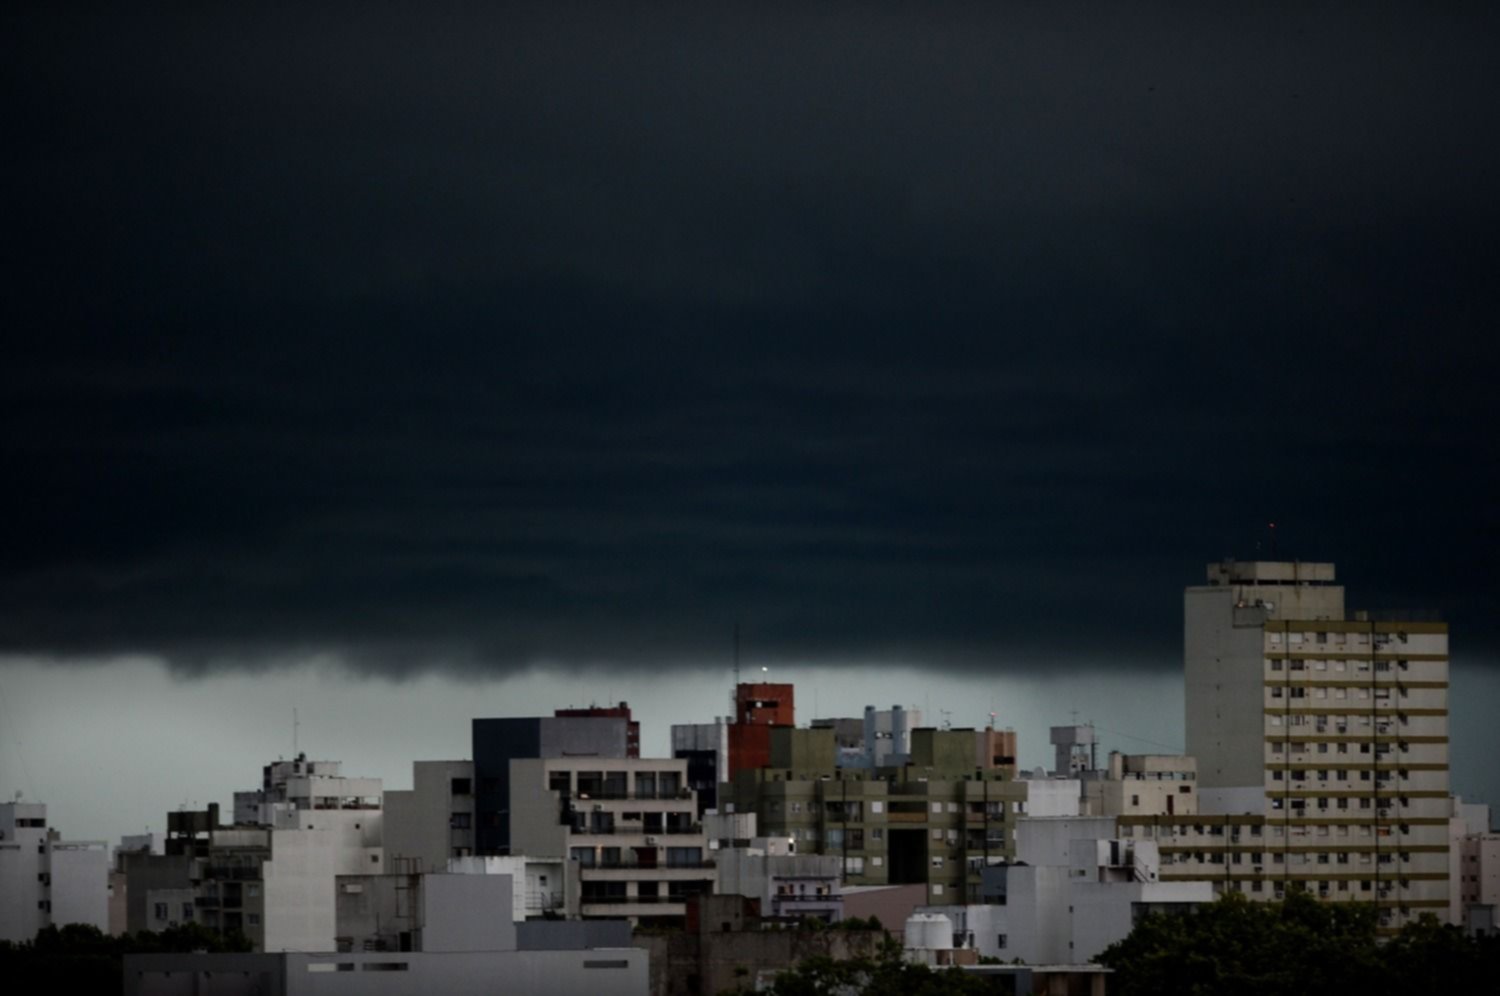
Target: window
[(1000, 941), (161, 911), (459, 821), (461, 786)]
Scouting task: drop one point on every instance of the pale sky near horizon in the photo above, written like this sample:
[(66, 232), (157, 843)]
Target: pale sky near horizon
[(112, 748)]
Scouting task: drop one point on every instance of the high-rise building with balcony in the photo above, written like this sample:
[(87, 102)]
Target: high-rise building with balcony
[(1321, 741)]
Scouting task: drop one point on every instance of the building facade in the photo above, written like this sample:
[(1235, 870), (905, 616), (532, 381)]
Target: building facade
[(432, 823), (627, 826), (937, 820), (497, 742), (1321, 742), (45, 880)]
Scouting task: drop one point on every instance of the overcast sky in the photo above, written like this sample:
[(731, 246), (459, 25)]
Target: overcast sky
[(487, 348)]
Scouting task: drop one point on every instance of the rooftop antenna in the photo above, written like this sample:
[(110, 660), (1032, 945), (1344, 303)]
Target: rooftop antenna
[(1271, 528), (295, 724)]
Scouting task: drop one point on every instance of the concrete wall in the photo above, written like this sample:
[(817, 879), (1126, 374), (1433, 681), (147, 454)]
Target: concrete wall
[(605, 972), (891, 904), (1104, 912), (1048, 840), (1039, 920), (146, 872), (80, 883), (467, 913), (1052, 796), (684, 963), (168, 908), (298, 879), (419, 824), (1223, 696), (1223, 654), (572, 935), (543, 886)]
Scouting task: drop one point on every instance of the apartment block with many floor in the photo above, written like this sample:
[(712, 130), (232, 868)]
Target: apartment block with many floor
[(937, 820), (1322, 745)]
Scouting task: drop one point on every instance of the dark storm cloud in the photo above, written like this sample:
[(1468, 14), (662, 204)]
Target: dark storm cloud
[(936, 333)]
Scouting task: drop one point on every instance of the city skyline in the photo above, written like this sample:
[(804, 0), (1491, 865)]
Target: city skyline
[(402, 369)]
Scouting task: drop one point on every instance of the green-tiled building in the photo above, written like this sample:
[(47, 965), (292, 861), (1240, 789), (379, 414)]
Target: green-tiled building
[(937, 819)]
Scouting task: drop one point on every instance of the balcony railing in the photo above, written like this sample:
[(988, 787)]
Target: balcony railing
[(615, 796), (648, 865)]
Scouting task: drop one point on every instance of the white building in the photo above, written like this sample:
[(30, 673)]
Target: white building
[(1476, 873), (1073, 890), (423, 933), (44, 880), (1321, 741), (788, 885), (272, 875)]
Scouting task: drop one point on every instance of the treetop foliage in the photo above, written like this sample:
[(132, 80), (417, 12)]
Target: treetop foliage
[(1235, 946)]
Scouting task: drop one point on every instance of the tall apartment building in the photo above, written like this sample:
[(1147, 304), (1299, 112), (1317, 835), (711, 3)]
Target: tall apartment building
[(498, 742), (628, 825), (1321, 741), (936, 820), (271, 874)]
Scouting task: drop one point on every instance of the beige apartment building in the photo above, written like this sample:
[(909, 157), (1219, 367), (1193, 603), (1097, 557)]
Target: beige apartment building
[(1321, 741), (629, 826)]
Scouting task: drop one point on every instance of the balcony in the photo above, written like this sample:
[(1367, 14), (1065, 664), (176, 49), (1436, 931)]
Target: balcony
[(660, 795), (629, 871)]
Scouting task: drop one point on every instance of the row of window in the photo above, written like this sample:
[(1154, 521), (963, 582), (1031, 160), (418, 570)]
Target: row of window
[(854, 811), (1339, 638), (1339, 724), (1339, 774), (1339, 692), (1276, 858), (1359, 667), (1170, 832)]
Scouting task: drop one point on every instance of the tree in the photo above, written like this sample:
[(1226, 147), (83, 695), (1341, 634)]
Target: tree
[(1234, 946), (82, 958)]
